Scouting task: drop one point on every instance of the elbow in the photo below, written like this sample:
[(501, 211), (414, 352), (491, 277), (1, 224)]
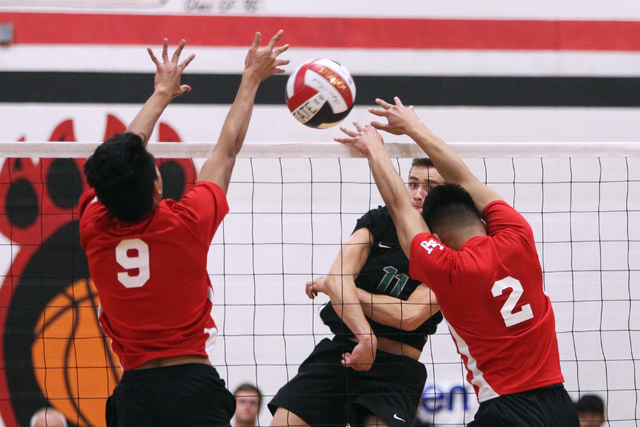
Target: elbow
[(412, 319), (410, 323), (333, 285)]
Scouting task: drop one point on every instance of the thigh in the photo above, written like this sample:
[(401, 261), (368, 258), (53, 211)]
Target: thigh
[(536, 408), (196, 397), (130, 406), (390, 391), (192, 395), (373, 421), (317, 394), (286, 418)]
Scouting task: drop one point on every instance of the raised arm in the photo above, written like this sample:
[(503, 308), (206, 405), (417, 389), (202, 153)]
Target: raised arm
[(259, 65), (340, 286), (405, 315), (406, 218), (403, 120), (166, 87)]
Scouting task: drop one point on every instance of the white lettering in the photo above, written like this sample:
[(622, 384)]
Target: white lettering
[(430, 245)]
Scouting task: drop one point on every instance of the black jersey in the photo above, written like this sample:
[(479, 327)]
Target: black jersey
[(386, 271)]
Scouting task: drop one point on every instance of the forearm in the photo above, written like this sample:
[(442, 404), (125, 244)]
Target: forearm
[(219, 166), (450, 165), (407, 220), (236, 124), (391, 311), (146, 119), (404, 315), (341, 290), (446, 160)]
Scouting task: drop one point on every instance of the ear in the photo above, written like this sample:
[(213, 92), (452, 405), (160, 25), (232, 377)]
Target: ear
[(436, 236), (157, 190)]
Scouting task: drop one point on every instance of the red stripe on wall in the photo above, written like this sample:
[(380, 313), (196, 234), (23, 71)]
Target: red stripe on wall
[(101, 29)]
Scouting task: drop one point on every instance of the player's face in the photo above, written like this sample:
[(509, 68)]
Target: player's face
[(247, 406), (421, 180)]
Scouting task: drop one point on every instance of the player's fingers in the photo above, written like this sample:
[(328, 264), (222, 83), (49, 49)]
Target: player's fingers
[(345, 358), (378, 112), (186, 62), (280, 49), (274, 39), (398, 102), (379, 125), (165, 49), (153, 56), (256, 41), (185, 88), (345, 141), (178, 51), (358, 126), (309, 292), (384, 104), (349, 132)]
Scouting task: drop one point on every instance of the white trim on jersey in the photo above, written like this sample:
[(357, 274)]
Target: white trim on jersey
[(213, 332), (485, 391)]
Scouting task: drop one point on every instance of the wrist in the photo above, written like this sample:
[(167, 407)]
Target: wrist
[(251, 77), (162, 95), (416, 128), (367, 338)]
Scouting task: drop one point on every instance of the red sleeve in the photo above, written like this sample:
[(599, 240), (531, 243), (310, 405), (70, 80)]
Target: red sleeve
[(502, 218), (510, 232), (85, 199), (429, 261), (206, 206)]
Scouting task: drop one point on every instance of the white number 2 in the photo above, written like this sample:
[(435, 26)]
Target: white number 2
[(511, 318), (133, 254)]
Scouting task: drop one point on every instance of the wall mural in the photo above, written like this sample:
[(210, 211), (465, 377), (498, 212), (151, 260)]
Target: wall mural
[(53, 351)]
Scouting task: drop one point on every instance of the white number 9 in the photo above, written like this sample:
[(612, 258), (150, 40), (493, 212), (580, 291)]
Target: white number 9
[(133, 254)]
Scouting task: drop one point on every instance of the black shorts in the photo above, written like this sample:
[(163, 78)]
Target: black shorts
[(541, 407), (181, 395), (326, 393)]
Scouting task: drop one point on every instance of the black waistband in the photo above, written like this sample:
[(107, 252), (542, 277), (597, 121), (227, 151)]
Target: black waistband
[(547, 387), (168, 372)]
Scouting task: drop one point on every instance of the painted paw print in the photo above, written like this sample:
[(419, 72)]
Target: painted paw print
[(54, 353)]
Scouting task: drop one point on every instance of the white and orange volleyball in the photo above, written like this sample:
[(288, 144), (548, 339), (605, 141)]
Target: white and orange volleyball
[(320, 93)]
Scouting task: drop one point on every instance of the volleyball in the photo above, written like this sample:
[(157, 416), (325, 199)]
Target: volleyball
[(320, 93)]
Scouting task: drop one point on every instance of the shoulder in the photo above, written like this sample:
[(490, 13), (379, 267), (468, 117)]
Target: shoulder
[(209, 193), (85, 199), (500, 217), (376, 216)]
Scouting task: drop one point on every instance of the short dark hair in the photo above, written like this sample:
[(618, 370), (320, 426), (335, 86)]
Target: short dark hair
[(123, 173), (249, 387), (590, 403), (422, 161), (447, 206)]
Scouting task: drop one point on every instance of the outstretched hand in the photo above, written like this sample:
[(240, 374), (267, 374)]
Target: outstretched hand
[(264, 62), (168, 72), (365, 138), (399, 118)]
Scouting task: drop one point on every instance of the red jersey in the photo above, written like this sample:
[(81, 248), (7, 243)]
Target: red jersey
[(490, 293), (151, 275)]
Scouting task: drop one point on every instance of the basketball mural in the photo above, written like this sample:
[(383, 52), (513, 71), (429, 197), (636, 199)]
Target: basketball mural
[(53, 352)]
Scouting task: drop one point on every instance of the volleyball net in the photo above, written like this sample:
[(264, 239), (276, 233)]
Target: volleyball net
[(291, 207)]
